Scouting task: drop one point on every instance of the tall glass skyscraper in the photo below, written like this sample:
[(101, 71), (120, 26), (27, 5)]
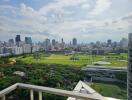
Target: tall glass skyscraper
[(74, 41), (28, 40), (18, 38)]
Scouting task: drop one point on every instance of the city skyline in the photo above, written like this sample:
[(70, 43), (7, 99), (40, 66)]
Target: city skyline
[(72, 41), (87, 20)]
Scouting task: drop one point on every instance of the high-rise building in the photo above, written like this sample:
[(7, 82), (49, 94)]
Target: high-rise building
[(18, 38), (62, 45), (114, 44), (109, 43), (53, 42), (1, 50), (1, 44), (74, 41), (27, 48), (17, 50), (11, 42), (47, 44), (124, 42), (129, 75), (62, 41), (28, 40)]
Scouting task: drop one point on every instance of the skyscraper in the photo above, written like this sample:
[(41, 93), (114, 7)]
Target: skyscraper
[(74, 41), (109, 43), (53, 42), (47, 44), (124, 42), (129, 75), (11, 42), (62, 41), (28, 40), (18, 38)]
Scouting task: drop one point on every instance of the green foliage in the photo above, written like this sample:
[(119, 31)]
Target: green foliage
[(56, 76), (56, 70), (9, 80)]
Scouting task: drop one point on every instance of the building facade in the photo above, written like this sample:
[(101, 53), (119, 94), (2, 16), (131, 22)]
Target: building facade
[(27, 48), (11, 42), (28, 40), (47, 45), (18, 38), (74, 42), (129, 76), (17, 50)]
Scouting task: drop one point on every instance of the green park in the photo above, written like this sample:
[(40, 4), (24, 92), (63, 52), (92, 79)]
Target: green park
[(59, 71), (78, 60)]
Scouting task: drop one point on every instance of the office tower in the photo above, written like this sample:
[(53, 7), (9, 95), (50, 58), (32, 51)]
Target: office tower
[(62, 41), (98, 44), (1, 44), (62, 45), (74, 41), (11, 42), (124, 42), (53, 42), (28, 40), (109, 43), (47, 44), (115, 44), (70, 43), (129, 75), (18, 38)]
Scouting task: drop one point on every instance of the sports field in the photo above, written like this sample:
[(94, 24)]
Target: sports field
[(77, 59)]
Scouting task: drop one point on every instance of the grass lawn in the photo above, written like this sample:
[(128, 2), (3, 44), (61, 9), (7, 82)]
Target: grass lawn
[(114, 90), (84, 59)]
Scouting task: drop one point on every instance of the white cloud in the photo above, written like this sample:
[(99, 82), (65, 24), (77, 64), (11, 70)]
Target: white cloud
[(85, 6), (36, 22), (58, 5), (101, 6)]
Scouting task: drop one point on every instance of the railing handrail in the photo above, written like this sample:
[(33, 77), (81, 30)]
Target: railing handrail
[(50, 90), (8, 90)]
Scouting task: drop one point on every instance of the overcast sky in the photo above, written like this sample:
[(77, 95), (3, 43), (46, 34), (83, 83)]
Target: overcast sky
[(86, 20)]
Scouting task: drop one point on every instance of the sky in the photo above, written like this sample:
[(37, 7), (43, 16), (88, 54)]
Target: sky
[(86, 20)]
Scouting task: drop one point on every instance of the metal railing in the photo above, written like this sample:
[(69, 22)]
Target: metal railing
[(41, 89)]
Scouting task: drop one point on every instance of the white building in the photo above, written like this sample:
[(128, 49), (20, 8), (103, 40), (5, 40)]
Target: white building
[(17, 50), (27, 48), (21, 43), (1, 50), (35, 48)]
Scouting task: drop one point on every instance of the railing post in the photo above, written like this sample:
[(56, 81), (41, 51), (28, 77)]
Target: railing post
[(3, 98), (40, 95), (31, 95)]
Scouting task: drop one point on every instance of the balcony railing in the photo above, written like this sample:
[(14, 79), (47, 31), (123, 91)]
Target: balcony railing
[(41, 89)]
